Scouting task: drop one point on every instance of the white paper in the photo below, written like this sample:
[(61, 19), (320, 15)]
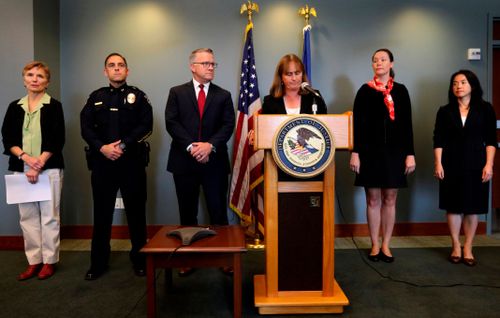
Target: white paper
[(19, 190)]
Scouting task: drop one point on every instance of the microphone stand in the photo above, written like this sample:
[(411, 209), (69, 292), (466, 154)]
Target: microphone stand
[(314, 106)]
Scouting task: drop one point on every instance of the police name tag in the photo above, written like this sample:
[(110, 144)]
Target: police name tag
[(303, 146)]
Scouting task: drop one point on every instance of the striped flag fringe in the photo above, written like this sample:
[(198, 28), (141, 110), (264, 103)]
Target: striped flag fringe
[(246, 192)]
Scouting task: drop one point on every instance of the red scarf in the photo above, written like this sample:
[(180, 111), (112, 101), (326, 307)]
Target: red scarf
[(386, 90)]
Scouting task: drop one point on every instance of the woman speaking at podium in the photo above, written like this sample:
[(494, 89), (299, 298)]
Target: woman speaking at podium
[(286, 95), (383, 151)]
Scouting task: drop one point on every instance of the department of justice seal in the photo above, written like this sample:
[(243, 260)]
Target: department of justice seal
[(303, 146)]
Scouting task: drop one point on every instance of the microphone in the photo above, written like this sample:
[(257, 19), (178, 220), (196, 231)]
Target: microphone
[(314, 107), (306, 87)]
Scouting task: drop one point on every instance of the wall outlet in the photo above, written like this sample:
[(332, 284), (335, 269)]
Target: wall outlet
[(119, 203), (474, 54)]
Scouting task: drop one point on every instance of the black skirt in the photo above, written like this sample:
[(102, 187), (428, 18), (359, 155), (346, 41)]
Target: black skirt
[(464, 193), (382, 168)]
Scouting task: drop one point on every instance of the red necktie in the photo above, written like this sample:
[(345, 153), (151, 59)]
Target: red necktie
[(201, 100)]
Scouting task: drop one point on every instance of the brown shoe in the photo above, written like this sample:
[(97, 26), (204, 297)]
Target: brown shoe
[(454, 259), (185, 271), (47, 271), (469, 261), (31, 271)]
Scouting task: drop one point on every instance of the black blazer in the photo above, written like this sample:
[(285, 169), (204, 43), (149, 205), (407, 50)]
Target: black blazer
[(374, 130), (53, 133), (464, 147), (182, 120), (273, 105)]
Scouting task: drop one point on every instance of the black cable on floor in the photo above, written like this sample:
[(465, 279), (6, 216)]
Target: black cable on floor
[(156, 278), (388, 277)]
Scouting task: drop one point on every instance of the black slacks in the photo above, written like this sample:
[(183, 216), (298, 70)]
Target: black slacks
[(107, 178), (214, 184)]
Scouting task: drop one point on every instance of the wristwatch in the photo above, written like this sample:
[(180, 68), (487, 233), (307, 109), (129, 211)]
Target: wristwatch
[(20, 157)]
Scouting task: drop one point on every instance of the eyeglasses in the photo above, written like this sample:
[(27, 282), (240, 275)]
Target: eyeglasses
[(206, 64)]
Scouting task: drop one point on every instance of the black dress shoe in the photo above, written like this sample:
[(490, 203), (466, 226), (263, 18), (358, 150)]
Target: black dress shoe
[(141, 272), (227, 270), (385, 258), (185, 271), (374, 258), (93, 274)]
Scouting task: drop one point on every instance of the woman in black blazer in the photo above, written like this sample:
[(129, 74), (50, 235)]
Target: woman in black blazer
[(286, 95), (383, 151), (464, 150), (33, 137)]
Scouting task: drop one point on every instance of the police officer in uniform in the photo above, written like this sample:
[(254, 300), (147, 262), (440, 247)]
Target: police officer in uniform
[(115, 122)]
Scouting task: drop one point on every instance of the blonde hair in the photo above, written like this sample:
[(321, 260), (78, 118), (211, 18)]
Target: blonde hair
[(38, 64)]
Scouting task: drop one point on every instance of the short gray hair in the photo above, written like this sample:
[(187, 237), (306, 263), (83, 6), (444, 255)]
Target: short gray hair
[(200, 50)]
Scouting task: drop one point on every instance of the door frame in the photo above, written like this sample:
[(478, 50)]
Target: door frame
[(492, 44)]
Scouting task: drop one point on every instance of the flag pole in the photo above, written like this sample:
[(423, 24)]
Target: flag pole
[(250, 8), (307, 12)]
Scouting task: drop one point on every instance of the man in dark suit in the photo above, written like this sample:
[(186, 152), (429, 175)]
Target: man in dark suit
[(200, 118)]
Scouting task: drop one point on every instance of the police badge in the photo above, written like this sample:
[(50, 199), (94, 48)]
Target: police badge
[(131, 98)]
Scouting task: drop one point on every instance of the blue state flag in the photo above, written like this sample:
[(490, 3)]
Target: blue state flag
[(306, 53)]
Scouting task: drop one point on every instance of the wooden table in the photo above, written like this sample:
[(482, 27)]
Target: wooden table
[(222, 249)]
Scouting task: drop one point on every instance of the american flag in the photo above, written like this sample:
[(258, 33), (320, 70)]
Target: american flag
[(246, 193)]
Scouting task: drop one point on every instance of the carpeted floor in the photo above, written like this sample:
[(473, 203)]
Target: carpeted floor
[(421, 283)]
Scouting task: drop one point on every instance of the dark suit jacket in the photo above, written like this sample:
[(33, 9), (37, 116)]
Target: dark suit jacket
[(183, 123), (464, 147), (273, 105), (52, 129)]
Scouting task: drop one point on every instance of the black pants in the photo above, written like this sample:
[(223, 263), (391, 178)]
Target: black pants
[(107, 178), (214, 184)]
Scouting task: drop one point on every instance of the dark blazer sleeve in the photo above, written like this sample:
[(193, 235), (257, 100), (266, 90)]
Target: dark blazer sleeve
[(11, 127), (490, 129), (407, 122), (440, 131), (273, 105), (360, 119), (87, 124), (53, 128), (181, 119), (218, 119)]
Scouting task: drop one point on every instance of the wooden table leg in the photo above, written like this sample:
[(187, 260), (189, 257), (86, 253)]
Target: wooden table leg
[(151, 285), (237, 285)]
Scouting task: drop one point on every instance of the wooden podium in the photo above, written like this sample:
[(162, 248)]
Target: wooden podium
[(299, 277)]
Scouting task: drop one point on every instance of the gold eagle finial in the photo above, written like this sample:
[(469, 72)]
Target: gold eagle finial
[(307, 12), (249, 7)]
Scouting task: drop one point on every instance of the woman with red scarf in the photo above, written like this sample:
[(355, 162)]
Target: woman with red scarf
[(383, 151)]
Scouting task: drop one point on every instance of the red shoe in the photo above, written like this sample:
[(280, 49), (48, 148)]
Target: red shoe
[(47, 271), (31, 271)]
